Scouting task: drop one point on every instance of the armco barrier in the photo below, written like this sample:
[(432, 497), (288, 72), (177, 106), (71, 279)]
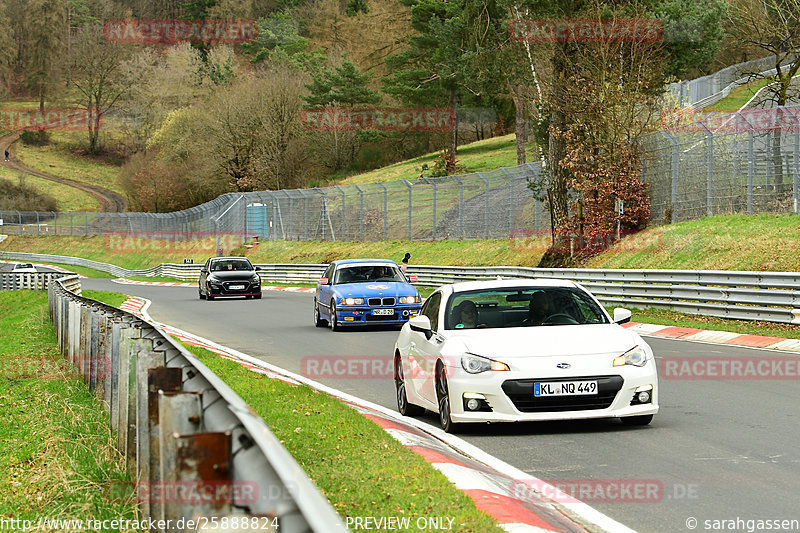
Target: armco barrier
[(741, 295), (28, 280), (184, 433)]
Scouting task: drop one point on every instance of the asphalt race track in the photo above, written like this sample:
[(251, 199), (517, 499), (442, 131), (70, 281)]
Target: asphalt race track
[(717, 450)]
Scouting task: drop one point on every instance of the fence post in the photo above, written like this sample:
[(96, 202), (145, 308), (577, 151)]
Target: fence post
[(510, 201), (710, 170), (486, 207), (305, 212), (407, 184), (385, 211), (750, 171), (344, 218), (460, 206), (796, 170), (361, 213), (433, 184)]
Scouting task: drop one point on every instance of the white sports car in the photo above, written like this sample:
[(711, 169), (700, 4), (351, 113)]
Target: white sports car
[(523, 350)]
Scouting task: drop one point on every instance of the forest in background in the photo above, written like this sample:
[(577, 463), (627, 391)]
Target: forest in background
[(191, 121)]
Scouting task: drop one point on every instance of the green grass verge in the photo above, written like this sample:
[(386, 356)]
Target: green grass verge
[(359, 467), (725, 242), (57, 454), (738, 97), (107, 297), (145, 254), (166, 279)]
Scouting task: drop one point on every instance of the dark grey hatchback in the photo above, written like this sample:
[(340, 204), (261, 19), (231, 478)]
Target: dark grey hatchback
[(229, 276)]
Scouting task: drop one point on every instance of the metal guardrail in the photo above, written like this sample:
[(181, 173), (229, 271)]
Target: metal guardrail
[(181, 429), (27, 280), (741, 295)]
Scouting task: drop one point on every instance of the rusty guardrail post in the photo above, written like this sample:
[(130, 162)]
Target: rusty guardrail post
[(179, 413), (145, 362)]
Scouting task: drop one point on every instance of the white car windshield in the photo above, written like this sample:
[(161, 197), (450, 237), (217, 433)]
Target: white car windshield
[(522, 307), (368, 273)]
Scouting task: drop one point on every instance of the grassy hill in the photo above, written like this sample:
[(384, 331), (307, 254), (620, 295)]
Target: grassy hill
[(480, 156), (730, 242)]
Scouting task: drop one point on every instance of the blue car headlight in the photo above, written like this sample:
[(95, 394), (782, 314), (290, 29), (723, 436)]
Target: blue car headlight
[(352, 301), (409, 299)]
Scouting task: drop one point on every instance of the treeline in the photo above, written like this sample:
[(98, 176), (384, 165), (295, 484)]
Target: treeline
[(201, 119)]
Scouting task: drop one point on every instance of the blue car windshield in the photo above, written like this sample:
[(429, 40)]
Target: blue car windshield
[(367, 274)]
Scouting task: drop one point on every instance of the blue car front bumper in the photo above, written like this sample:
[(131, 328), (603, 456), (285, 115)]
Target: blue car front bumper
[(361, 316)]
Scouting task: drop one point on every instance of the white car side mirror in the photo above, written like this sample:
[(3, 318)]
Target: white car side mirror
[(422, 324), (622, 315)]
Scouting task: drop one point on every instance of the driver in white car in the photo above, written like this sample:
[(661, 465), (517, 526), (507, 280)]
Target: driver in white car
[(539, 308)]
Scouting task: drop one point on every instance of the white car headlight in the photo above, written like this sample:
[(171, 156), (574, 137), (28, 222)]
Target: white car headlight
[(352, 301), (409, 299), (636, 356), (475, 364)]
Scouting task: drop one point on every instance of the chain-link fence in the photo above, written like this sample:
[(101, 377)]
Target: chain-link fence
[(745, 162), (481, 205), (708, 90)]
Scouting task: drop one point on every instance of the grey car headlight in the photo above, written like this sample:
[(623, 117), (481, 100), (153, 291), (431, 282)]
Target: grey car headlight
[(475, 364), (636, 356)]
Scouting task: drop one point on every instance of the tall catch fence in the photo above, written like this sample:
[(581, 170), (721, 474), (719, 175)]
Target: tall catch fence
[(708, 90), (481, 205), (746, 162)]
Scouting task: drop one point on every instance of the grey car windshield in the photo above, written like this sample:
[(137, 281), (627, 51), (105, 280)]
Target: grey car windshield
[(368, 273), (231, 265), (522, 307)]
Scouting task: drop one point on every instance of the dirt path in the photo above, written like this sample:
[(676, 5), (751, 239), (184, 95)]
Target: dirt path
[(110, 201)]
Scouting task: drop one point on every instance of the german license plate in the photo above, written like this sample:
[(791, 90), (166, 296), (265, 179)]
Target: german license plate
[(564, 388), (236, 287), (383, 312)]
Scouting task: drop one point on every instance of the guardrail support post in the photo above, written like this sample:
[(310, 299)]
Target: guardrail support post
[(159, 379), (145, 362), (204, 458), (179, 413)]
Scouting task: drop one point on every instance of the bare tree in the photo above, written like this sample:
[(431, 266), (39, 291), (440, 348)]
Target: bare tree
[(771, 26), (96, 78)]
